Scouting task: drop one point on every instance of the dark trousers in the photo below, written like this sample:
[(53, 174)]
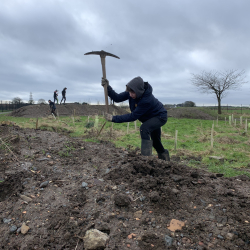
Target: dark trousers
[(152, 128), (63, 98)]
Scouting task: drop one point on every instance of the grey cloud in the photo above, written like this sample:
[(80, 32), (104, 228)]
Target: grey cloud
[(42, 46)]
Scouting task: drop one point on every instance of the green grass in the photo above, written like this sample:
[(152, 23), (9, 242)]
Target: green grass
[(194, 139)]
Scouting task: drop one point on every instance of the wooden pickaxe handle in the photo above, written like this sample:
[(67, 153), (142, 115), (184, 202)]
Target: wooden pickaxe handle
[(105, 86), (103, 54)]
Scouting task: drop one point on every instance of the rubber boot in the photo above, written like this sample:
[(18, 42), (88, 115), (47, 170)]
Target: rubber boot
[(164, 156), (146, 147)]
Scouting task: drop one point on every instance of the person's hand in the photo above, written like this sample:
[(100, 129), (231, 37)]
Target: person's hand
[(104, 82), (108, 117)]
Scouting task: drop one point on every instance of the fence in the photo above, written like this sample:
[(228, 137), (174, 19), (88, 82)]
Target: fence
[(8, 106), (229, 108)]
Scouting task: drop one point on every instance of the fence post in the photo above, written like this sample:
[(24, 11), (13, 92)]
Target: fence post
[(212, 134), (36, 123), (175, 141), (96, 121)]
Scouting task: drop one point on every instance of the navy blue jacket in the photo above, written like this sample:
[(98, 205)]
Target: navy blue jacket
[(52, 105), (142, 109)]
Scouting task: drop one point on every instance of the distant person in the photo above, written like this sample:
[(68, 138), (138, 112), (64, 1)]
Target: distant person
[(147, 109), (63, 95), (55, 96), (52, 107)]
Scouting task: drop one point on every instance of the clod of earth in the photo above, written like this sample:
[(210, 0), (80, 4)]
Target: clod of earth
[(176, 225), (95, 239)]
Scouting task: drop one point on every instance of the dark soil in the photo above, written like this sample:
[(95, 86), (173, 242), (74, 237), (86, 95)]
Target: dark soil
[(73, 186)]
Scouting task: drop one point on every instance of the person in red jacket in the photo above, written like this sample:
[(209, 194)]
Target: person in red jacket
[(145, 108)]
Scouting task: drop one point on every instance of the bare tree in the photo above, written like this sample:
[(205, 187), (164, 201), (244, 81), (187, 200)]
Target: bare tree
[(218, 83), (41, 101), (189, 104), (17, 100)]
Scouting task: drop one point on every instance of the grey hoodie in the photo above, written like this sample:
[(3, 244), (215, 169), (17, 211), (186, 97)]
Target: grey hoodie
[(137, 85)]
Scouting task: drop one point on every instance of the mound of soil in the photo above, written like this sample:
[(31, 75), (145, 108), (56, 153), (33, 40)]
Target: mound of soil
[(42, 110), (53, 189)]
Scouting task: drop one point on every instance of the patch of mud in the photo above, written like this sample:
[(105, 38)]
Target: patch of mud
[(227, 140), (73, 186)]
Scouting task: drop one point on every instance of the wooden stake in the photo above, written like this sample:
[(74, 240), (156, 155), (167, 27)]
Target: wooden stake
[(96, 121), (241, 120), (101, 129), (175, 141), (212, 137), (135, 125), (246, 125), (88, 119), (111, 128), (127, 127), (36, 123)]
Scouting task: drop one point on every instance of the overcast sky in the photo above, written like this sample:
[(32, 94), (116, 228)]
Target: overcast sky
[(42, 47)]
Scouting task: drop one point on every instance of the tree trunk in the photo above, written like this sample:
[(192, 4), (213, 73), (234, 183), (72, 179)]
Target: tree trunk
[(219, 105)]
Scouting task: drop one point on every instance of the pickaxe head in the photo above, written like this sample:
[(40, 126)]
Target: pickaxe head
[(101, 53)]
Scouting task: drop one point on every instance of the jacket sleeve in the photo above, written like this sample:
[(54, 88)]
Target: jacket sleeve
[(140, 110), (117, 97)]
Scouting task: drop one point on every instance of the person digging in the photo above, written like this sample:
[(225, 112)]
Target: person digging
[(145, 108), (52, 107)]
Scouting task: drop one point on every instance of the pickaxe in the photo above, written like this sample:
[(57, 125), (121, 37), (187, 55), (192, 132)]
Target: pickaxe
[(103, 54)]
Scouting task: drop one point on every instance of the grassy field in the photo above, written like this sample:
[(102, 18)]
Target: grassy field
[(193, 139)]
